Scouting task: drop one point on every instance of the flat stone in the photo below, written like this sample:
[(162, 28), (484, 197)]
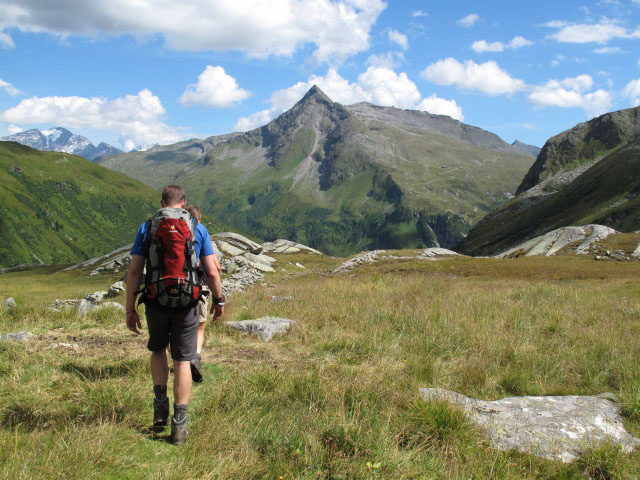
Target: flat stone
[(279, 299), (96, 297), (552, 427), (16, 337), (9, 303), (264, 259), (239, 241), (104, 305), (299, 265), (264, 328), (229, 249), (436, 252), (116, 289)]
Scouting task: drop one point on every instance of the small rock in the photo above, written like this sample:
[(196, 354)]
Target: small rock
[(299, 265), (66, 346), (598, 257), (16, 337), (9, 303), (84, 306), (279, 299), (104, 305), (116, 289), (96, 297), (264, 328)]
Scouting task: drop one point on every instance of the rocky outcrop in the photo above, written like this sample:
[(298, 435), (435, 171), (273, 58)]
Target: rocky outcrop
[(553, 427), (239, 241), (264, 328), (287, 246), (432, 253), (551, 243)]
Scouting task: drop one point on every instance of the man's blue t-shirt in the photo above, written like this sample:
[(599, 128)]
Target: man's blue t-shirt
[(202, 241)]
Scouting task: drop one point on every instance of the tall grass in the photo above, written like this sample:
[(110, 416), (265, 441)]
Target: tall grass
[(337, 398)]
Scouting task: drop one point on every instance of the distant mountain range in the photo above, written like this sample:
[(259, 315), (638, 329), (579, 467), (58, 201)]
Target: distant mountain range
[(61, 208), (60, 139), (342, 178), (588, 174), (526, 149)]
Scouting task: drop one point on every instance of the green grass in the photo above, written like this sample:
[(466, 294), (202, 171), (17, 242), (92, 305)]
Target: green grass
[(51, 203), (337, 398)]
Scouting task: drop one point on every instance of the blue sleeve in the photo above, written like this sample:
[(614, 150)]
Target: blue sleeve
[(206, 248), (139, 243)]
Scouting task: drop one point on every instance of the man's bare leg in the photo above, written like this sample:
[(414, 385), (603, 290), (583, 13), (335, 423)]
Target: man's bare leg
[(200, 337), (182, 382), (159, 367)]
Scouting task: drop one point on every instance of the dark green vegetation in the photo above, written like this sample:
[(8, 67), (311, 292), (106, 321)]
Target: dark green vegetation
[(61, 208), (589, 174), (342, 179), (337, 398)]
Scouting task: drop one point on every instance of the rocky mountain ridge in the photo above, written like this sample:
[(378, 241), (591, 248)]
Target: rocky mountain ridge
[(60, 139), (342, 178), (588, 174)]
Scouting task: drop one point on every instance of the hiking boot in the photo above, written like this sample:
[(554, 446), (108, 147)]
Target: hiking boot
[(160, 412), (196, 368), (179, 431)]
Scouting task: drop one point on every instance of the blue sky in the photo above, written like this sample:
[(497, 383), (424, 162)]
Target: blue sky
[(135, 74)]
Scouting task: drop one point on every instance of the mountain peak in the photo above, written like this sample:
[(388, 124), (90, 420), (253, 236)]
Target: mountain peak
[(317, 94)]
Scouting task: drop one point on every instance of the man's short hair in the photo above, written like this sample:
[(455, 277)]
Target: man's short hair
[(172, 194), (195, 212)]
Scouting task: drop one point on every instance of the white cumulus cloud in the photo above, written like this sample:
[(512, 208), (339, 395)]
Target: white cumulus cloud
[(601, 32), (440, 106), (7, 87), (378, 85), (485, 77), (469, 20), (398, 38), (390, 60), (482, 46), (336, 29), (214, 89), (572, 92), (137, 118), (632, 92)]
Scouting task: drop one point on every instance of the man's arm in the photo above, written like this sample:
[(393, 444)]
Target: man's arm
[(214, 282), (134, 276)]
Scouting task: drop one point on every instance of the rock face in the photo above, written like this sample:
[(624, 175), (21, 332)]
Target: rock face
[(552, 242), (556, 428), (264, 328)]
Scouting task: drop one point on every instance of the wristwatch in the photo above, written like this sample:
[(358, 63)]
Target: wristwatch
[(220, 301)]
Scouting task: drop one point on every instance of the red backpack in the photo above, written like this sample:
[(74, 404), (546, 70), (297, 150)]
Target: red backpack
[(172, 278)]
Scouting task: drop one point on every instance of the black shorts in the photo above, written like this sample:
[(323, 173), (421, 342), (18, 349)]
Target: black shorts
[(175, 326)]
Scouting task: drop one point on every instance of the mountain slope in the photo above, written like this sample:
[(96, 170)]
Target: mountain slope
[(61, 208), (599, 184), (342, 179), (62, 140)]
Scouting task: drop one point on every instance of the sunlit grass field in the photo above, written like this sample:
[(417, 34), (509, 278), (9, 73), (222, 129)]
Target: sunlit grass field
[(337, 398)]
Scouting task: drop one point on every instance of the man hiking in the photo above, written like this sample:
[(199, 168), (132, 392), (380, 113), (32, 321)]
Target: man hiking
[(172, 244), (203, 311)]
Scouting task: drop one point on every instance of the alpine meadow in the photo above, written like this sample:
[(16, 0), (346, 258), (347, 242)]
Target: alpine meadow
[(418, 226)]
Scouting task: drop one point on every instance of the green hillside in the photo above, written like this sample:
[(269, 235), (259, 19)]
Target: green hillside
[(342, 179), (61, 208), (607, 193)]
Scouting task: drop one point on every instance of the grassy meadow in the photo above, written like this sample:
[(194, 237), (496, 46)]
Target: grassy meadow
[(337, 398)]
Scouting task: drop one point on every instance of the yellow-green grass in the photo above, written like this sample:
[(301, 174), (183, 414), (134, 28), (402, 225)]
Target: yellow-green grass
[(337, 398)]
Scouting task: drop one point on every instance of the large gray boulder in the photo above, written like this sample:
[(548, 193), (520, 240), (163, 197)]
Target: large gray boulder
[(96, 297), (553, 427), (239, 241), (550, 243), (264, 328)]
